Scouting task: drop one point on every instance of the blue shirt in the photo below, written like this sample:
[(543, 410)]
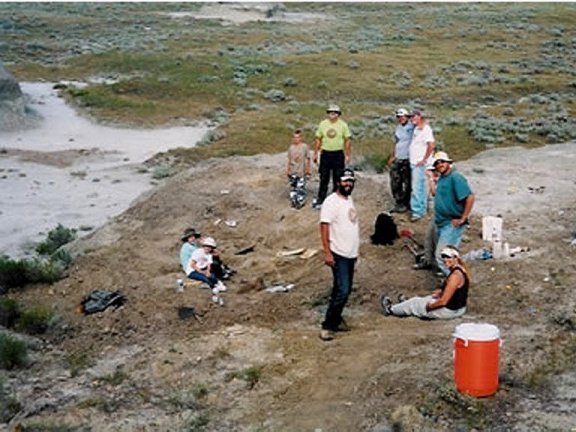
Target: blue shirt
[(451, 191), (403, 137), (185, 254)]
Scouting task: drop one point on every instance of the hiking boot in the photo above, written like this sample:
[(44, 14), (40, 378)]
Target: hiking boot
[(386, 304), (326, 335), (343, 327), (398, 208), (402, 298), (422, 265)]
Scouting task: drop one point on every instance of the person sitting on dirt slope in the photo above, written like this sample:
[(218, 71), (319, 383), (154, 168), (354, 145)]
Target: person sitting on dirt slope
[(447, 302), (189, 245), (200, 266), (190, 240)]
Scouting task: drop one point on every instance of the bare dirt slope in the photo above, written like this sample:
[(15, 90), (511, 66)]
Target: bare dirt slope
[(257, 362)]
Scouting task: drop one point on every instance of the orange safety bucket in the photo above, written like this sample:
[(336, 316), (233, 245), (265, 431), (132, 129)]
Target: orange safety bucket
[(476, 358)]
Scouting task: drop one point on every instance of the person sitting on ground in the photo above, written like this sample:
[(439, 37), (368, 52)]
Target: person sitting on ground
[(200, 266), (189, 244), (447, 302), (190, 239)]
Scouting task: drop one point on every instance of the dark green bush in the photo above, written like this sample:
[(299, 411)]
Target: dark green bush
[(12, 273), (59, 236), (35, 320), (9, 312), (17, 273), (13, 352), (9, 406)]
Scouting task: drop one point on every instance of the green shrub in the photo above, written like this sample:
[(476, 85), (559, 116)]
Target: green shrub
[(9, 312), (77, 361), (12, 273), (57, 237), (251, 375), (13, 352), (9, 406), (161, 171), (35, 320), (38, 270)]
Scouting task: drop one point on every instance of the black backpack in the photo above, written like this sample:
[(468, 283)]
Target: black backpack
[(385, 230)]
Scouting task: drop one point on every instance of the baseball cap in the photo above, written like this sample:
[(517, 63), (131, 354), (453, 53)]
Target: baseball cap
[(347, 174), (402, 112), (333, 108)]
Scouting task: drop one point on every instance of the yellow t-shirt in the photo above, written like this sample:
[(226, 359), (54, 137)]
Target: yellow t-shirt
[(333, 134)]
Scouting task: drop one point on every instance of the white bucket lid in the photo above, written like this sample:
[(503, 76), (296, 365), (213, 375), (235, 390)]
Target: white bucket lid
[(476, 332)]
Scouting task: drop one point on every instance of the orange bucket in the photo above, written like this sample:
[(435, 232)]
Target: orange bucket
[(476, 357)]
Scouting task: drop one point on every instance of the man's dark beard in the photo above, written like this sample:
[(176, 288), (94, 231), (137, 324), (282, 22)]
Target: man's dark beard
[(345, 191)]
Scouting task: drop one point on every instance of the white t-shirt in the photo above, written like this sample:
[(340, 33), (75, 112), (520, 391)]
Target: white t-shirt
[(202, 259), (344, 230), (419, 144)]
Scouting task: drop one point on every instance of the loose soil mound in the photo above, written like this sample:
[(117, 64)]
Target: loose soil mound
[(257, 362)]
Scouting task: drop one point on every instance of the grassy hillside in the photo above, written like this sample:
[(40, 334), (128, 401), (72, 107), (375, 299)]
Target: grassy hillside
[(488, 75)]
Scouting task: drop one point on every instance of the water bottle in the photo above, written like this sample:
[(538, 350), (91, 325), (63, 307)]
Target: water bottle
[(496, 245)]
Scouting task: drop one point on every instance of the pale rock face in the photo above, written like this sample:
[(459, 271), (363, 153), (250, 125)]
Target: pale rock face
[(14, 114)]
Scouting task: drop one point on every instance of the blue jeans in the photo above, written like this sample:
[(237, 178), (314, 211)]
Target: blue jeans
[(210, 280), (343, 275), (419, 196), (447, 235)]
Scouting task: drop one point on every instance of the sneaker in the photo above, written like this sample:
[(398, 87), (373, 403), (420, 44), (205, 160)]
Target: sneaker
[(399, 209), (216, 290), (386, 304), (343, 327), (179, 285), (316, 205), (221, 287), (422, 265), (326, 335), (402, 298), (215, 299)]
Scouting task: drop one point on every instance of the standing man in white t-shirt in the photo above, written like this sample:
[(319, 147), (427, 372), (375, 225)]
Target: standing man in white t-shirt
[(340, 236), (421, 149)]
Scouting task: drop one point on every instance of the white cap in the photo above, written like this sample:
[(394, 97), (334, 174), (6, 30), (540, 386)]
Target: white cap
[(333, 108), (209, 241), (402, 112)]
